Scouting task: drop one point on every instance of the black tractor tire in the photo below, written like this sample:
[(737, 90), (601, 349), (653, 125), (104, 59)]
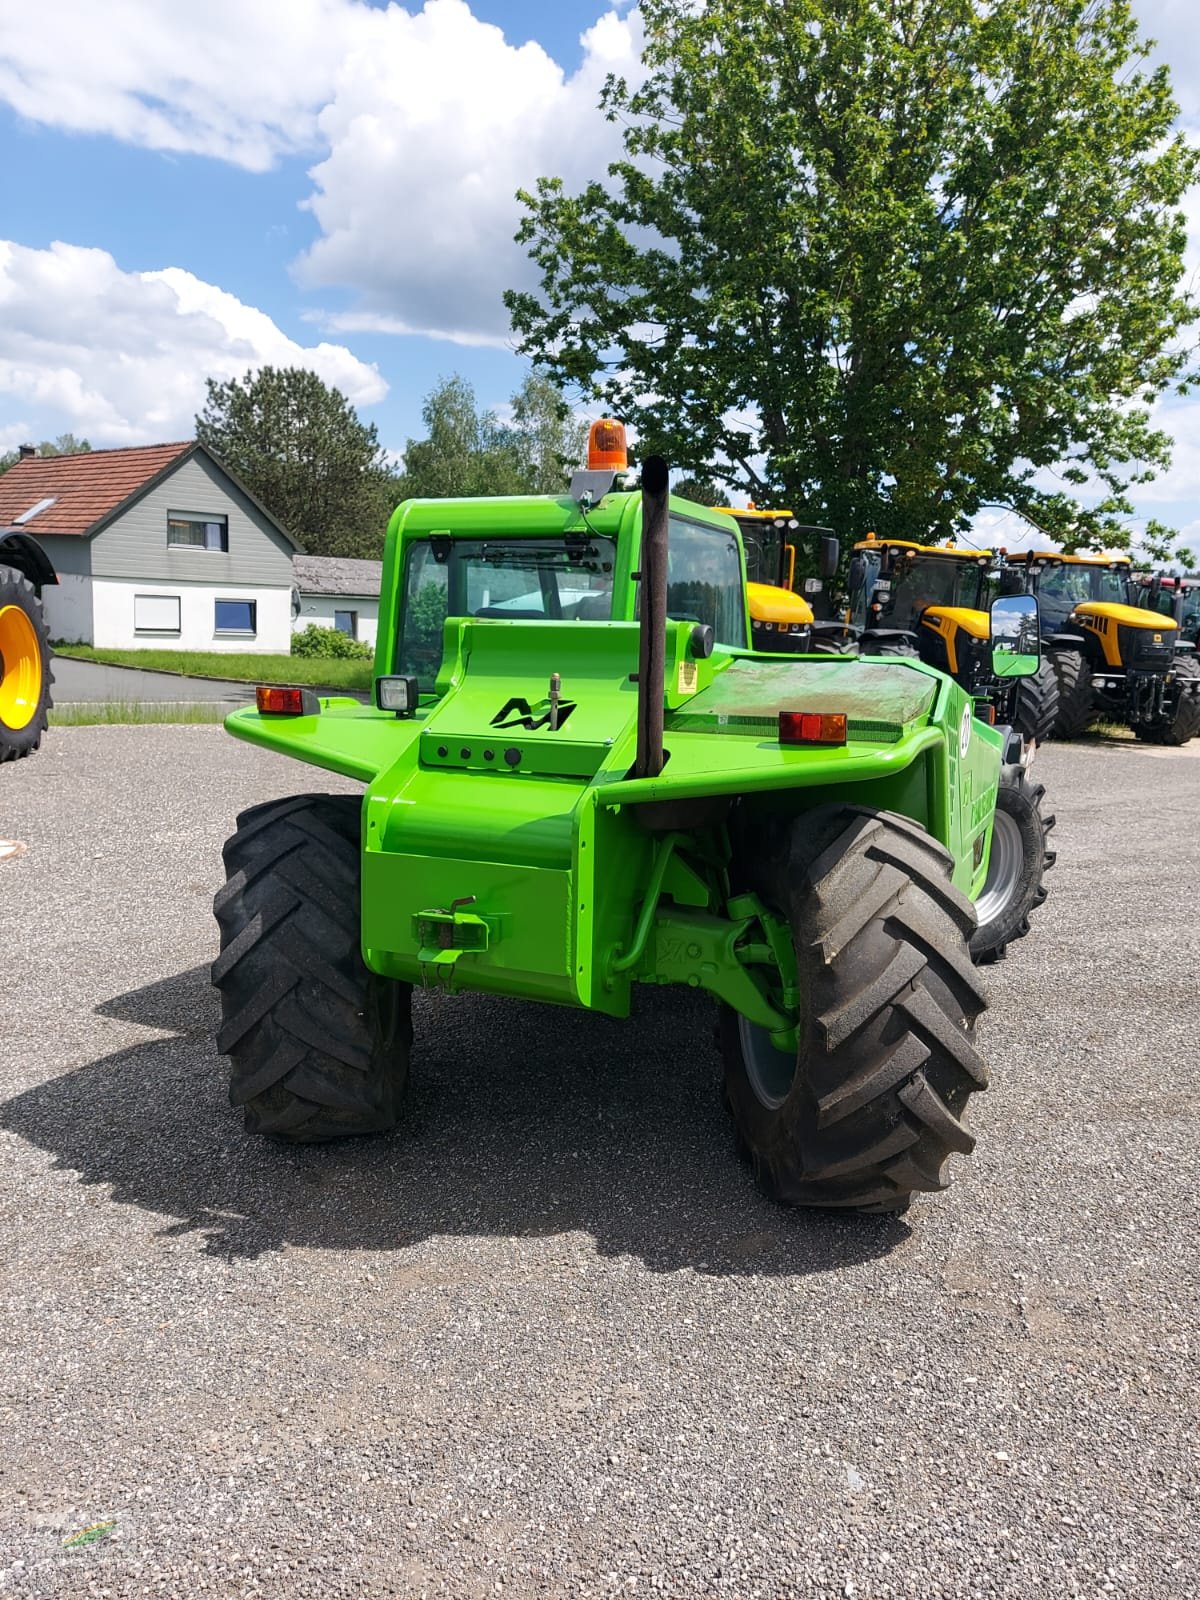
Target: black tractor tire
[(1015, 884), (1185, 724), (1076, 711), (1035, 712), (318, 1045), (24, 666), (868, 1109)]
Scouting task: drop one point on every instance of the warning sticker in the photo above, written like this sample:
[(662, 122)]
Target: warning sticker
[(687, 677)]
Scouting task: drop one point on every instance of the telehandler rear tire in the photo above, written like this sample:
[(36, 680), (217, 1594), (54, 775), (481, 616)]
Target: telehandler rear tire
[(1076, 712), (1185, 724), (318, 1045), (866, 1111), (1015, 884), (1037, 700), (25, 675)]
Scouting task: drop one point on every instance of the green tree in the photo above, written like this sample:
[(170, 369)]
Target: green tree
[(300, 447), (550, 439), (701, 491), (65, 445), (468, 450), (888, 261)]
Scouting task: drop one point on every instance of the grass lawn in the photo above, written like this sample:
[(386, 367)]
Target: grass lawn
[(238, 668), (116, 713)]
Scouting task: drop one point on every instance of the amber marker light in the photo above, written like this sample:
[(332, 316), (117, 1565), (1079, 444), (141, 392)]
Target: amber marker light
[(812, 727), (606, 446), (276, 702)]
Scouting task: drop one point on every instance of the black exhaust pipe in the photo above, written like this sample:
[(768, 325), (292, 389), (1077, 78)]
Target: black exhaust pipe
[(652, 641)]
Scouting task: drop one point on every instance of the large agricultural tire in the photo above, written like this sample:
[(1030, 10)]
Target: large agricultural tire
[(318, 1045), (25, 675), (1076, 711), (1015, 884), (869, 1107), (1185, 724), (1035, 712)]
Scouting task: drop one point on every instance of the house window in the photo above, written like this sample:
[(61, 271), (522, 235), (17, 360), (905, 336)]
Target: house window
[(156, 613), (346, 622), (192, 531), (236, 616)]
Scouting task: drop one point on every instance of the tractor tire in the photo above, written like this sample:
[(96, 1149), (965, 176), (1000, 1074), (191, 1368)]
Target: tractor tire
[(318, 1045), (1076, 712), (1035, 712), (25, 675), (1015, 886), (1185, 724), (869, 1107)]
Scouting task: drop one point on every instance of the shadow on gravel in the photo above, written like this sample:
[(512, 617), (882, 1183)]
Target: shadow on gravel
[(521, 1120)]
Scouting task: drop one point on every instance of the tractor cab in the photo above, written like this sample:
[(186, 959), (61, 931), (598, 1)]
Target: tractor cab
[(782, 617), (935, 603), (1173, 597)]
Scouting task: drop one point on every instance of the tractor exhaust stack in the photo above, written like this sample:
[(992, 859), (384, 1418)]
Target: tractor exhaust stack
[(652, 642)]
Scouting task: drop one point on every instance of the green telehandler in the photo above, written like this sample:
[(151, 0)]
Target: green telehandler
[(579, 776)]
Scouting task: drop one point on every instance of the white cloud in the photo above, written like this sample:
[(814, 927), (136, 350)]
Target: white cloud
[(241, 80), (122, 356), (429, 118), (435, 122)]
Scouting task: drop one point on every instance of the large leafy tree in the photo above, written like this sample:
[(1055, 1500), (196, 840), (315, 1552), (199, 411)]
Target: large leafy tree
[(892, 261), (299, 446), (469, 450)]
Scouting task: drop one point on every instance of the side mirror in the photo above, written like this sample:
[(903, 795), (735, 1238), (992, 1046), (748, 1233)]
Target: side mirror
[(831, 554), (1016, 636)]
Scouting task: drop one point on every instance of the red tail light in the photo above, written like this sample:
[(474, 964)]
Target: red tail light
[(278, 702), (812, 727)]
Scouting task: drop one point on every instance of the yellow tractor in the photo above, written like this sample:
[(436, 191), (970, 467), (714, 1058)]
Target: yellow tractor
[(919, 600), (782, 619), (1112, 657)]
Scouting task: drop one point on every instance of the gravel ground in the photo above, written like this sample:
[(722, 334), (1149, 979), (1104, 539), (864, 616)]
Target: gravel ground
[(548, 1341)]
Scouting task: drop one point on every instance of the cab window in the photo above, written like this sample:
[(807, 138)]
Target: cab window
[(704, 580)]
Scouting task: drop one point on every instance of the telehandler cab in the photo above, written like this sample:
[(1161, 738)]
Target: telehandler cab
[(579, 776)]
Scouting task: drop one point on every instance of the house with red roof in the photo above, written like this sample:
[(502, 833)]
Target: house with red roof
[(156, 545)]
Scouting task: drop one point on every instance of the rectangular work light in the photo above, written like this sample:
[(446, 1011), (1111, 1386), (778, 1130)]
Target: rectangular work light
[(396, 694), (277, 702), (812, 727)]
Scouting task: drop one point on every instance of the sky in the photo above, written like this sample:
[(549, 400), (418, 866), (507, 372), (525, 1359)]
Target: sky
[(193, 191)]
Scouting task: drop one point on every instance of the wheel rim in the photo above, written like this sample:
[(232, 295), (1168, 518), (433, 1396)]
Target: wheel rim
[(20, 668), (1004, 869), (771, 1072)]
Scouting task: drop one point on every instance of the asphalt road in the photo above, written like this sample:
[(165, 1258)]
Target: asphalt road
[(547, 1340)]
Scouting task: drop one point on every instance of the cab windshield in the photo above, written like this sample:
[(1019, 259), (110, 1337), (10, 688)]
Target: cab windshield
[(561, 580), (1061, 589), (911, 586)]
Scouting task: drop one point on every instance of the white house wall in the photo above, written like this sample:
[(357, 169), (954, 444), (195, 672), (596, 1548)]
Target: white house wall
[(319, 608), (113, 613), (68, 608)]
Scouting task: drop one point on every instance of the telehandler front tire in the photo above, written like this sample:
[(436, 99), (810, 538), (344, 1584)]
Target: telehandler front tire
[(318, 1045), (1019, 860), (867, 1110)]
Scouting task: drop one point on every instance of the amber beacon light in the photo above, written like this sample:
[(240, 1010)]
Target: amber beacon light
[(606, 446)]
